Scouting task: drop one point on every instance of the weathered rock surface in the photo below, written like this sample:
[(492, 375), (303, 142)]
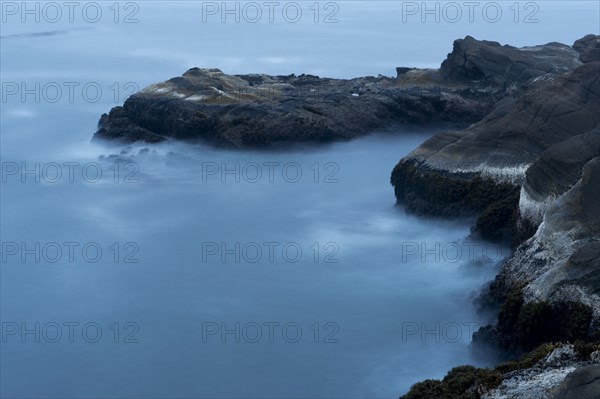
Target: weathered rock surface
[(550, 287), (527, 165), (259, 110), (533, 164), (552, 371), (477, 170), (588, 48), (556, 170), (507, 141), (472, 59), (560, 375), (561, 262)]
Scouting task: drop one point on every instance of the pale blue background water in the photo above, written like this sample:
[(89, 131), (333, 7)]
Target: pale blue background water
[(369, 294)]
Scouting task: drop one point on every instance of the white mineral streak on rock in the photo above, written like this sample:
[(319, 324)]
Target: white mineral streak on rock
[(162, 89), (156, 89), (531, 209), (530, 384), (196, 97), (501, 174), (511, 174), (538, 255)]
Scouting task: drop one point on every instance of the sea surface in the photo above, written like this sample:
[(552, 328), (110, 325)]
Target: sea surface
[(179, 270)]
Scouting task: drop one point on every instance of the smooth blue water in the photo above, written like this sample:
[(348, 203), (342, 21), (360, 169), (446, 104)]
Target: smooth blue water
[(375, 293), (368, 294)]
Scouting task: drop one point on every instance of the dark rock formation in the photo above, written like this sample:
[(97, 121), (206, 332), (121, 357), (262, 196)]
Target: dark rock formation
[(402, 70), (524, 326), (259, 110), (505, 65), (528, 167), (534, 164), (557, 169), (588, 48), (560, 263), (551, 371), (507, 141), (479, 169)]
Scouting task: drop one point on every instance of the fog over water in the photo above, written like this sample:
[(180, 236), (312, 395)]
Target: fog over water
[(382, 300)]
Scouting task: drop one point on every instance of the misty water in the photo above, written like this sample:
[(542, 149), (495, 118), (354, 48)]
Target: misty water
[(366, 281), (377, 300)]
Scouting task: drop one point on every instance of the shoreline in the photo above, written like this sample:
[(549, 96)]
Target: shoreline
[(527, 167)]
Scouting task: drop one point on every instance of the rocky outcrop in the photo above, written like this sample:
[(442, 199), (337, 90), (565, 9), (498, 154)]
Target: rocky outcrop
[(556, 273), (568, 237), (588, 48), (556, 170), (473, 59), (525, 164), (552, 371), (258, 110), (533, 164), (478, 170), (563, 373), (507, 141)]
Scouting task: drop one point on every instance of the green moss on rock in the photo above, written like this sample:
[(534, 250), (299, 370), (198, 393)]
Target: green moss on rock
[(528, 360), (433, 192), (463, 382), (524, 326)]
